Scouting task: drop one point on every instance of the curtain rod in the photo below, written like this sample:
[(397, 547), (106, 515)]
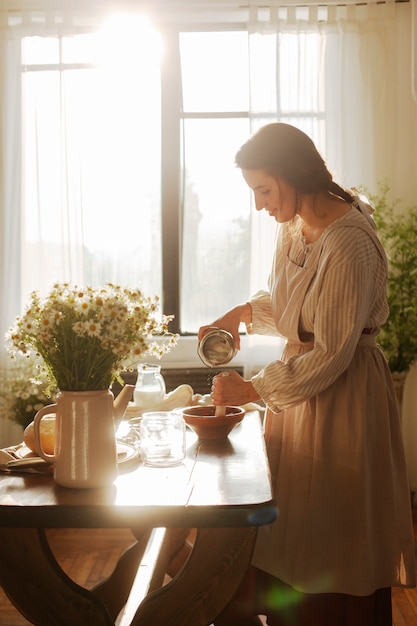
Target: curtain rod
[(221, 7), (181, 5)]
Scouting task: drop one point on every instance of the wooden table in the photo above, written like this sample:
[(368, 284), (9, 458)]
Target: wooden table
[(222, 489)]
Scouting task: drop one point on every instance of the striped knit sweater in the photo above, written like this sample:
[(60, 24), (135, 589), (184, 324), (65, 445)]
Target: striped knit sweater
[(324, 295)]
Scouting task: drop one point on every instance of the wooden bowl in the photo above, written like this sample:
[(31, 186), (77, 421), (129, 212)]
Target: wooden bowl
[(206, 425)]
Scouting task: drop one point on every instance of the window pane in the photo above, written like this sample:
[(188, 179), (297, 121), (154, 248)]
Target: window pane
[(40, 50), (80, 49), (91, 165), (92, 155), (215, 71), (215, 271)]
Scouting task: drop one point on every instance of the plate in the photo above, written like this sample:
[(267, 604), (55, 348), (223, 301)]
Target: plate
[(125, 453)]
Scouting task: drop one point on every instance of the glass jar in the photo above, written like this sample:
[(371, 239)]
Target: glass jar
[(162, 438), (150, 386)]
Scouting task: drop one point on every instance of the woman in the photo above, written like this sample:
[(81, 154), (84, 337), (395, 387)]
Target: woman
[(344, 535)]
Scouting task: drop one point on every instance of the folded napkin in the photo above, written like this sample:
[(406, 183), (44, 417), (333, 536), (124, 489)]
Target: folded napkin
[(179, 397), (10, 461)]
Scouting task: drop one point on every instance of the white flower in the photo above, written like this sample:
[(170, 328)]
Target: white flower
[(86, 337), (21, 396)]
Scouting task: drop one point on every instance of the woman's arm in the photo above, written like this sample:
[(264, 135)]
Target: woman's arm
[(230, 321)]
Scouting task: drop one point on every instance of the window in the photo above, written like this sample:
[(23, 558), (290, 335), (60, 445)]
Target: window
[(214, 122), (129, 135), (91, 157)]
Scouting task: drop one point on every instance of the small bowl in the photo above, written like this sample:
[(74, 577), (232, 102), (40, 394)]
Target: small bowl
[(206, 425)]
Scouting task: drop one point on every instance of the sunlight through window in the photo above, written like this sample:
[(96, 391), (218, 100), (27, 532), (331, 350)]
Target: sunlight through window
[(129, 134), (92, 154)]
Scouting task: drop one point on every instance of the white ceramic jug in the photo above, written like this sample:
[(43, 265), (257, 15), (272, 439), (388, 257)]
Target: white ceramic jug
[(85, 454)]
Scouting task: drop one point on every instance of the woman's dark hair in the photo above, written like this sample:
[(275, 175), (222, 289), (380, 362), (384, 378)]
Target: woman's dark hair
[(284, 151)]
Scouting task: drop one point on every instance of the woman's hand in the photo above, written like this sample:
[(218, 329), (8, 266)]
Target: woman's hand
[(230, 321), (230, 389)]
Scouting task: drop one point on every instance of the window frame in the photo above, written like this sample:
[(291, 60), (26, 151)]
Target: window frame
[(172, 118)]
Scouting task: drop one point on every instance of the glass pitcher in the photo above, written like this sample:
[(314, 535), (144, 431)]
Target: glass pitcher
[(150, 386)]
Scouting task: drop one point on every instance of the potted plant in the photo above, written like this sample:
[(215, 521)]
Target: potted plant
[(397, 230)]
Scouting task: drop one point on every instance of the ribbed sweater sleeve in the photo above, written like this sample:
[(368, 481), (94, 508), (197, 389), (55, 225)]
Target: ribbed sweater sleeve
[(340, 303)]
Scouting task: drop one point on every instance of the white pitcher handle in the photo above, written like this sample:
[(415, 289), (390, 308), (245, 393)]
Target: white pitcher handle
[(46, 410)]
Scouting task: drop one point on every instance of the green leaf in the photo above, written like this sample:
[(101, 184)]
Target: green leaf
[(397, 230)]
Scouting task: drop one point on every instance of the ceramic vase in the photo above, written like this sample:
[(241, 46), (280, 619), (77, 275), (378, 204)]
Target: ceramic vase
[(85, 454)]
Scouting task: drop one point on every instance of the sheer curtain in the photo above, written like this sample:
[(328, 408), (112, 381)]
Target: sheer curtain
[(350, 65), (361, 87), (350, 73), (9, 201), (52, 230), (12, 27), (48, 242)]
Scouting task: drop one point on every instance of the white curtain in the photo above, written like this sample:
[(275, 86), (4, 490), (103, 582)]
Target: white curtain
[(13, 25), (364, 67), (368, 130), (9, 201), (122, 245), (362, 57)]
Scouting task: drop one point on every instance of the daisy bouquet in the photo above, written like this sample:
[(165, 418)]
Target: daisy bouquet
[(85, 337)]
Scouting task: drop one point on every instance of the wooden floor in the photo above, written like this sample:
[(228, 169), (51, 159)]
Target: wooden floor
[(404, 601), (88, 556)]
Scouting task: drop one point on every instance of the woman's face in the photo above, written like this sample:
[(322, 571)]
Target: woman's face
[(278, 198)]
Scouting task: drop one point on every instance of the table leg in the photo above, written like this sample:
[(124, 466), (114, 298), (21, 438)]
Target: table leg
[(206, 582), (45, 595), (114, 591), (37, 586), (124, 586)]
